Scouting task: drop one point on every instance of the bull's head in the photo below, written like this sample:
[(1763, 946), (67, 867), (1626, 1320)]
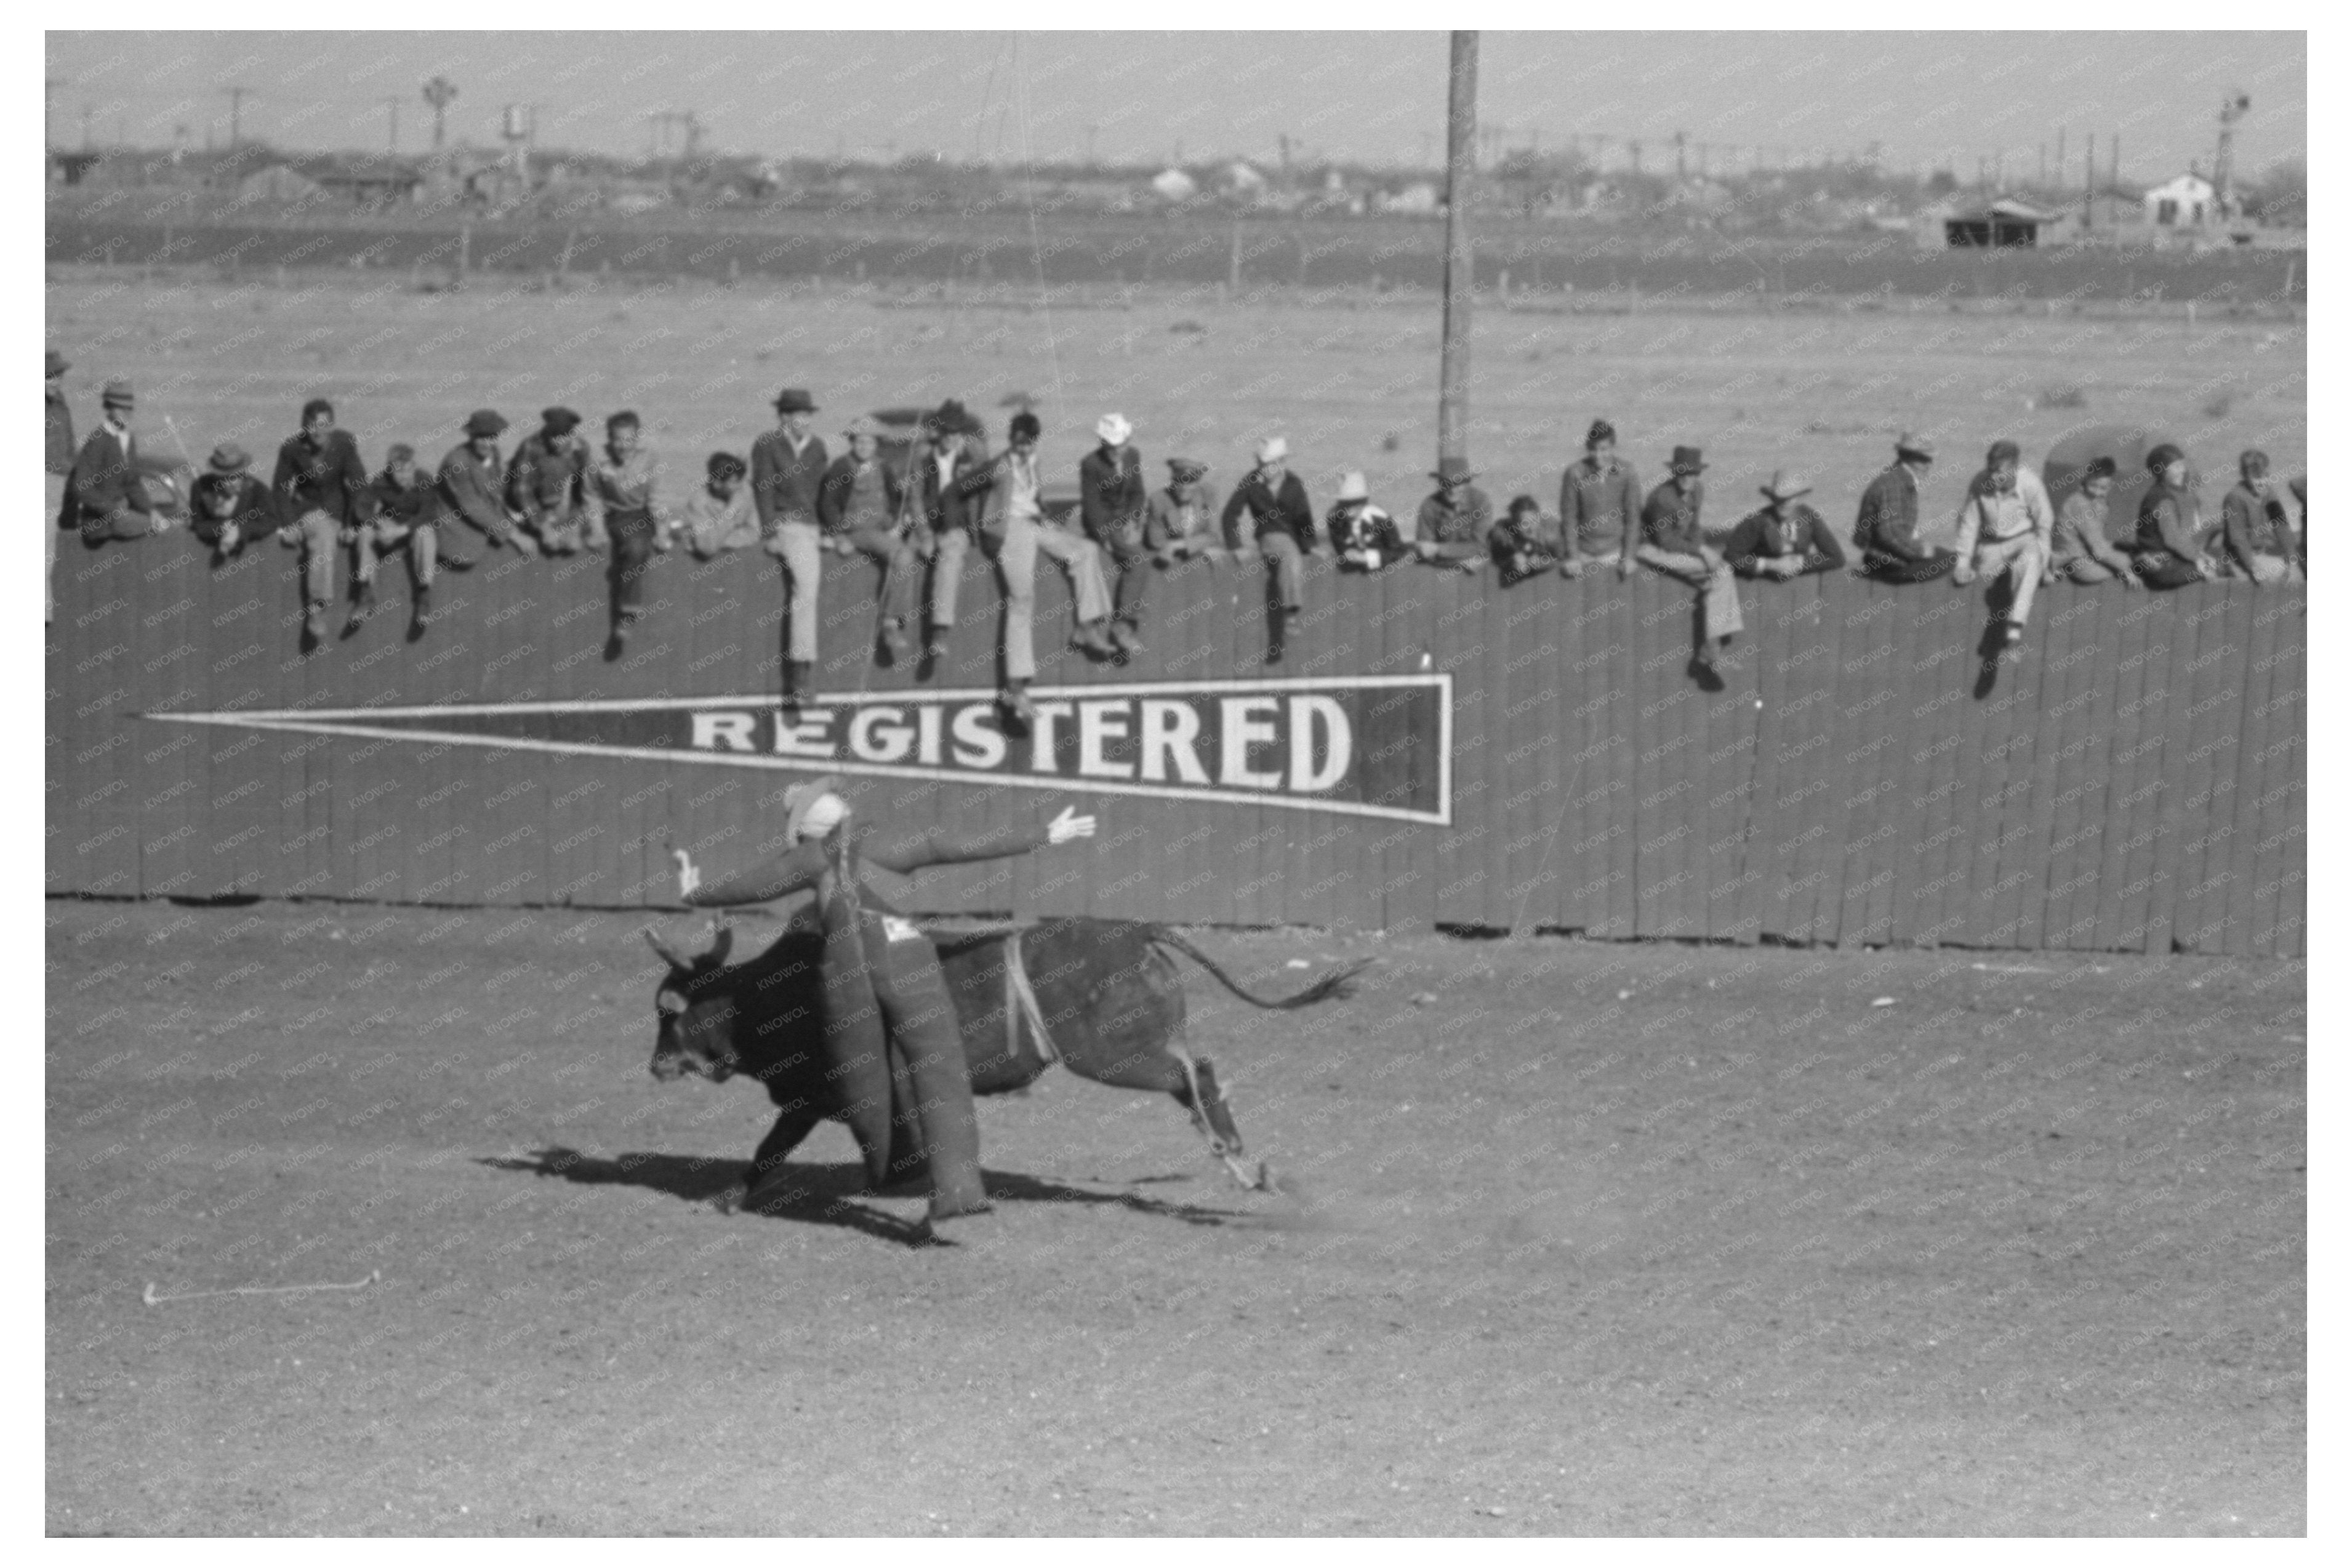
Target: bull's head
[(694, 1012)]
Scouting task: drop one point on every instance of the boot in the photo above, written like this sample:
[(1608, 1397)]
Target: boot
[(894, 642), (420, 613), (798, 676), (362, 608), (314, 626), (1016, 703), (1123, 638), (1091, 640)]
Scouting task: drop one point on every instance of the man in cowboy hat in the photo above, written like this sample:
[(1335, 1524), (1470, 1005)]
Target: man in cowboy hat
[(1016, 520), (2079, 548), (405, 520), (58, 418), (1111, 503), (320, 484), (1886, 526), (1452, 527), (860, 506), (1180, 521), (1784, 538), (946, 483), (788, 467), (547, 483), (1364, 535), (471, 485), (108, 501), (1282, 520), (890, 1034), (626, 505), (2257, 541), (2005, 531), (1599, 505), (228, 505), (1672, 544)]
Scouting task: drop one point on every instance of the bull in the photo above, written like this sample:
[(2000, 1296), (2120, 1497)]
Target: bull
[(1102, 997)]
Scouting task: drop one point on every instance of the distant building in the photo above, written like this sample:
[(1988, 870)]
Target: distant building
[(2185, 199), (1240, 179), (1421, 196), (277, 183), (1174, 185), (366, 182), (1997, 224)]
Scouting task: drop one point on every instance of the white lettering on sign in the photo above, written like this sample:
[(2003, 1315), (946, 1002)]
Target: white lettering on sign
[(1306, 715), (881, 735), (1243, 731), (979, 743), (927, 745), (723, 732), (1172, 733), (1098, 724), (1040, 736), (805, 737)]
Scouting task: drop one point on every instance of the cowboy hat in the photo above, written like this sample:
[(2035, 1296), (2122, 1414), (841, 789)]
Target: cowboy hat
[(802, 808), (117, 393), (1353, 488), (794, 400), (1273, 449), (1786, 486), (1686, 460), (1114, 429), (1453, 471), (228, 457)]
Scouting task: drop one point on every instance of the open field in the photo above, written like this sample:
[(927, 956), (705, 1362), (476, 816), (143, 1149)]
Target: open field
[(1352, 381), (1592, 1239)]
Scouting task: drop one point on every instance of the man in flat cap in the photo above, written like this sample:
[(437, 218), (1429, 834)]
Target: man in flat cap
[(547, 483), (788, 467), (2004, 531), (1784, 538), (107, 500), (1672, 544), (1112, 501), (58, 419), (1599, 505), (406, 515), (228, 507), (1453, 525), (946, 490), (860, 507), (319, 483), (1886, 526), (1180, 522), (471, 485), (1282, 521)]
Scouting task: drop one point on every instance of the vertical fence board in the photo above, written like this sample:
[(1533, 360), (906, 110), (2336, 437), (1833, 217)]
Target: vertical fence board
[(2138, 676), (2258, 684)]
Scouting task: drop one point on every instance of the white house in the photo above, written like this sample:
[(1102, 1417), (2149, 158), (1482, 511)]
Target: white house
[(1173, 186), (2184, 201)]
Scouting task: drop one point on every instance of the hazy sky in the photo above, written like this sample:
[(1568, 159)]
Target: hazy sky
[(1373, 97)]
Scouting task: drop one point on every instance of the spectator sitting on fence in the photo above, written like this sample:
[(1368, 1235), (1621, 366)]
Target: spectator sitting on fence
[(404, 520), (228, 505), (1887, 527), (1111, 503), (719, 518), (1525, 541), (2255, 534), (625, 505), (1016, 522), (2302, 526), (1180, 523), (859, 504), (471, 485), (788, 467), (2004, 530), (1599, 506), (547, 484), (2079, 546), (1282, 521), (1672, 544), (1784, 538), (107, 500), (1451, 526), (1364, 535), (57, 423), (321, 486), (948, 479), (2165, 551)]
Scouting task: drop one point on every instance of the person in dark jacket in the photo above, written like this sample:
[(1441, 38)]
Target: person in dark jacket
[(1524, 543), (471, 485), (2257, 541), (1784, 538), (1181, 520), (228, 507), (1282, 520), (58, 416), (106, 499), (947, 486), (1886, 527), (788, 467), (1671, 543), (547, 486), (885, 995), (1451, 526), (2164, 548), (1364, 536), (1599, 506), (404, 518), (321, 486), (860, 506), (1112, 499)]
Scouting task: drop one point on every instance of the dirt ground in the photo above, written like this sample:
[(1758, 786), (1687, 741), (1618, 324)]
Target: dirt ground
[(1584, 1239)]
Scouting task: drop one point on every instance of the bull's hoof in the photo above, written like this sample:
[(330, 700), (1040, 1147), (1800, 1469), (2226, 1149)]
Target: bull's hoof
[(960, 1210)]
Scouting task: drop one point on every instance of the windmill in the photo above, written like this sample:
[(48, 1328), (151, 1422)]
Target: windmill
[(440, 92)]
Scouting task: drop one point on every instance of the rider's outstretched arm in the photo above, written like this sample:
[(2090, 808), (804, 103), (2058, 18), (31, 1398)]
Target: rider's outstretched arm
[(905, 848)]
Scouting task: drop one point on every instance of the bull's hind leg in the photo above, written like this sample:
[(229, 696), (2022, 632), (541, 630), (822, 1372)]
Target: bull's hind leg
[(1214, 1120)]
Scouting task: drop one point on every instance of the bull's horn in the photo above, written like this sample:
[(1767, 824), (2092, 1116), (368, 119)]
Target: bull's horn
[(668, 954), (722, 942)]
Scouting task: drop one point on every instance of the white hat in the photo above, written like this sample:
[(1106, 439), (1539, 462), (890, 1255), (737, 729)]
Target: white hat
[(1353, 488), (814, 810), (1114, 429), (1272, 447)]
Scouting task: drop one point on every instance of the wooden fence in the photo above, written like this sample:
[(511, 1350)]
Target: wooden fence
[(2133, 783)]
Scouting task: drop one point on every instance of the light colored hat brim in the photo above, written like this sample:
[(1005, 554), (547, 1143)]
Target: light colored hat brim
[(799, 798)]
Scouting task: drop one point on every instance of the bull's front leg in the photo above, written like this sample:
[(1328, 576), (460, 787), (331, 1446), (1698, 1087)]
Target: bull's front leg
[(795, 1123)]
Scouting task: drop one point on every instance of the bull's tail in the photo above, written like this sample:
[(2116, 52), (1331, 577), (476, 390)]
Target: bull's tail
[(1339, 983)]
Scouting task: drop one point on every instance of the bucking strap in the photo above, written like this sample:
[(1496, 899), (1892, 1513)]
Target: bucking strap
[(1021, 1002)]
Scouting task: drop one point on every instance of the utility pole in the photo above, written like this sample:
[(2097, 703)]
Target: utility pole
[(392, 144), (440, 92), (2233, 108), (1461, 156), (86, 112), (2114, 160), (1679, 171), (236, 97), (2061, 162)]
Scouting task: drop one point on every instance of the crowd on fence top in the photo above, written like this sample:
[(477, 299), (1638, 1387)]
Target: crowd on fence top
[(918, 516)]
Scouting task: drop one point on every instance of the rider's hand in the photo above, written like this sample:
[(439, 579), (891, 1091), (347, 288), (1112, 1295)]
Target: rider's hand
[(689, 880), (1069, 825)]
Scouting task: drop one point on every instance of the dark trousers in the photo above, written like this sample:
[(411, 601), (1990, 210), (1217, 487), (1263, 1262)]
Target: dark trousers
[(632, 552), (1894, 569), (1126, 563), (2166, 570)]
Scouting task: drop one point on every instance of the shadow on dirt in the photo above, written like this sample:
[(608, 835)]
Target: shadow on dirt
[(822, 1194)]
